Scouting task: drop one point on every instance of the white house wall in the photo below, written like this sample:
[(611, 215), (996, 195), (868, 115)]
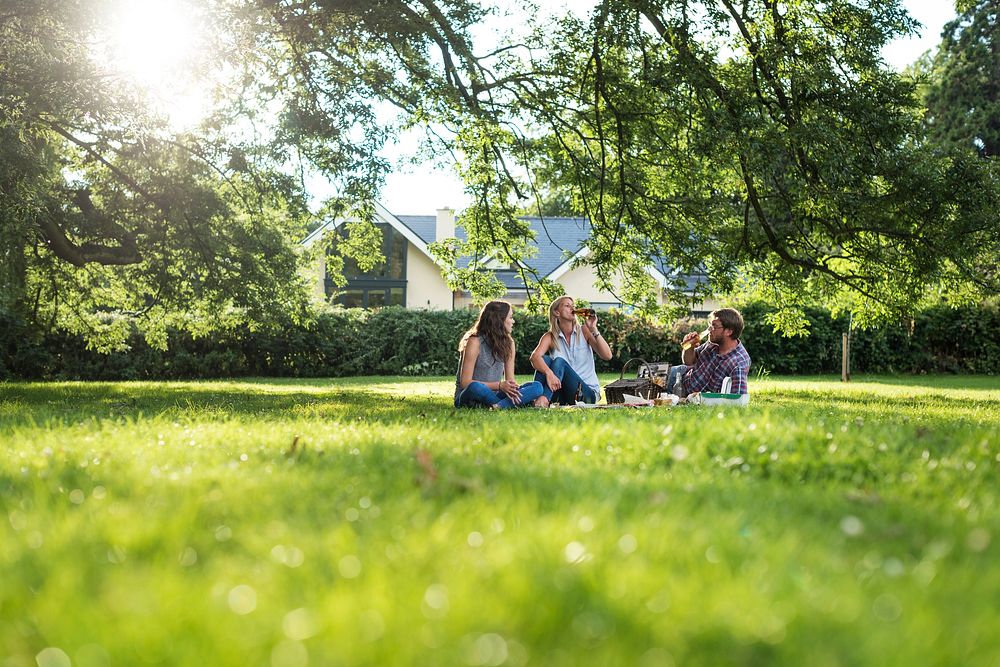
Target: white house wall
[(425, 287), (579, 284), (708, 305), (318, 271)]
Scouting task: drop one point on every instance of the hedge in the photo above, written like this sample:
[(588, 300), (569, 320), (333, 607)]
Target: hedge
[(395, 341)]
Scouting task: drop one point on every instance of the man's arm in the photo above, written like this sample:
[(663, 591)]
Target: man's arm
[(739, 377), (690, 355)]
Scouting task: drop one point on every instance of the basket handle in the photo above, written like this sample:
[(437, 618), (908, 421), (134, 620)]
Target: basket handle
[(625, 365)]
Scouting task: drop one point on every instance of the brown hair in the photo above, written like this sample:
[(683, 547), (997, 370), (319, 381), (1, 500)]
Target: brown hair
[(731, 319), (490, 326)]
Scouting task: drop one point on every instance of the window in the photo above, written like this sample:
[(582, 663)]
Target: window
[(384, 284), (371, 297), (495, 264)]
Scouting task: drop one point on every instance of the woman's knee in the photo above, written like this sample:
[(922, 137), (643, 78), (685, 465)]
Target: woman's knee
[(530, 391), (472, 395)]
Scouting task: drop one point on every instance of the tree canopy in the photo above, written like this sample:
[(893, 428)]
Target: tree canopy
[(764, 142), (111, 219), (964, 98)]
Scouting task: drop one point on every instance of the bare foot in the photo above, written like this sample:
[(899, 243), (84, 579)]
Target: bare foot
[(541, 402)]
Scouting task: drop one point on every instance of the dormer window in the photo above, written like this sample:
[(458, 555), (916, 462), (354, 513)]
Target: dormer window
[(497, 264)]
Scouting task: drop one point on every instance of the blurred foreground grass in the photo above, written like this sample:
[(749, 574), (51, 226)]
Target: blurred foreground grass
[(292, 523)]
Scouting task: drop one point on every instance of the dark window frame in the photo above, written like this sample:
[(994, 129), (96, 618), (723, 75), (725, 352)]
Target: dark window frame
[(369, 283)]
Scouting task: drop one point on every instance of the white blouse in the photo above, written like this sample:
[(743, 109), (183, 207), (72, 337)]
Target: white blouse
[(579, 355)]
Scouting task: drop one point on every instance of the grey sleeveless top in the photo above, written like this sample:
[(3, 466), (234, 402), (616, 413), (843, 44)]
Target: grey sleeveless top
[(487, 369)]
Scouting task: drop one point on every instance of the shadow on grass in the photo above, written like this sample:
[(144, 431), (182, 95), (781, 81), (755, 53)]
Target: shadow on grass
[(939, 406), (937, 381), (389, 399), (24, 404), (972, 382)]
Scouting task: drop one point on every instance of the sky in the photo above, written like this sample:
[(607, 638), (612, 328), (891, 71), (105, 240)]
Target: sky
[(422, 189)]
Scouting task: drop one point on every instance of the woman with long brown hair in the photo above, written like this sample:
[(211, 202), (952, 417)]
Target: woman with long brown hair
[(485, 375)]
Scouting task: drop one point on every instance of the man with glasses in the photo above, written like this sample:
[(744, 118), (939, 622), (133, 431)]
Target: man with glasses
[(722, 355)]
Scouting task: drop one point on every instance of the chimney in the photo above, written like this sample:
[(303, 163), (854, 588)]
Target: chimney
[(445, 227)]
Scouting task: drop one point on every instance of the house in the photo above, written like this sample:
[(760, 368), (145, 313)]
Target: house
[(411, 277)]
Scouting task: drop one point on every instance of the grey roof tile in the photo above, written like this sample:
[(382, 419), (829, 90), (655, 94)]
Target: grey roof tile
[(421, 225), (558, 239)]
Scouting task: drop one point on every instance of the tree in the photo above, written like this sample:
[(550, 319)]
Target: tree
[(107, 218), (764, 142), (964, 98), (792, 162)]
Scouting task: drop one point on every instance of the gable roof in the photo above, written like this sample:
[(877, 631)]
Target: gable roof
[(560, 242), (382, 214), (557, 239)]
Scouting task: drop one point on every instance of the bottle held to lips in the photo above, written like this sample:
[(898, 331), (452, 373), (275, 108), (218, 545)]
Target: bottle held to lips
[(584, 312), (701, 337)]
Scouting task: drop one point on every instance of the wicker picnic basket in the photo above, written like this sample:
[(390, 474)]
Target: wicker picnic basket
[(657, 369), (644, 387)]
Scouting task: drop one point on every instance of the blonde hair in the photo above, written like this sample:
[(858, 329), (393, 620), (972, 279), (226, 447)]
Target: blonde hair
[(554, 319)]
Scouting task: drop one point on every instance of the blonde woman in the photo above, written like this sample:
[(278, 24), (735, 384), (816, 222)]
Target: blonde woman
[(564, 358), (485, 375)]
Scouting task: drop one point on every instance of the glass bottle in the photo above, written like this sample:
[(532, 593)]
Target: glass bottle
[(701, 337)]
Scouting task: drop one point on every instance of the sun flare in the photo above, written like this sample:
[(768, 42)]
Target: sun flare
[(158, 45)]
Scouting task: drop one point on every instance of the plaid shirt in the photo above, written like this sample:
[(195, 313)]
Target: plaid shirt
[(711, 368)]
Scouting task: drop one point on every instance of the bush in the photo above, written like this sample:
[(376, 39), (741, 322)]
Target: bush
[(22, 349), (819, 352), (396, 341)]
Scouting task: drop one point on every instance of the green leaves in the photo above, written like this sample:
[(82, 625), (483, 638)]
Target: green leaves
[(964, 98), (361, 238), (759, 143), (788, 154), (113, 223)]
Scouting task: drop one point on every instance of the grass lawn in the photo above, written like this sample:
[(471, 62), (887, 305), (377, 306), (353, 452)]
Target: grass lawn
[(293, 523)]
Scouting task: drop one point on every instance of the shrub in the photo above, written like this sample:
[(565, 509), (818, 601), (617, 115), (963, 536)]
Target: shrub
[(396, 341)]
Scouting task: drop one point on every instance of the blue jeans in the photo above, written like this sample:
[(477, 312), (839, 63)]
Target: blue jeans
[(477, 394), (676, 373), (571, 383)]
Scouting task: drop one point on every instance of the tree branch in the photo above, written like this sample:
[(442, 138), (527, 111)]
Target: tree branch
[(78, 255)]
